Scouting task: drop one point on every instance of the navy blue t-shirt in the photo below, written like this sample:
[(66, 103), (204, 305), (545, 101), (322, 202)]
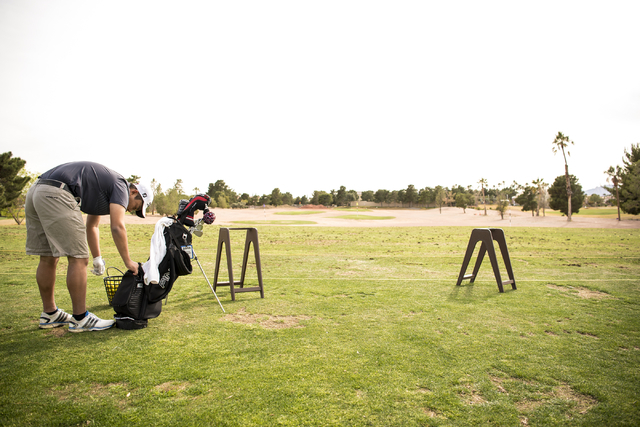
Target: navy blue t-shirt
[(97, 186)]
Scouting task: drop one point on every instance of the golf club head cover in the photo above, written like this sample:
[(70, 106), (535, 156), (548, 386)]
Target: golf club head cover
[(183, 204), (209, 217), (186, 213)]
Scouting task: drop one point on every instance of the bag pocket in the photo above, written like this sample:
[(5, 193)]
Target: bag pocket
[(129, 297), (181, 260)]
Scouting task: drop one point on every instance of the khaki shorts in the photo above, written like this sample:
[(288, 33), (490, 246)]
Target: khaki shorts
[(54, 223)]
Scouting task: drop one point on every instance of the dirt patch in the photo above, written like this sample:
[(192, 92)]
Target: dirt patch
[(313, 207), (95, 390), (582, 292), (471, 396), (583, 403), (171, 387), (589, 294), (57, 332), (432, 414), (528, 405), (267, 321), (497, 382), (540, 395)]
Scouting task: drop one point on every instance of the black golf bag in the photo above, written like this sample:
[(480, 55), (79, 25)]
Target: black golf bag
[(135, 302), (131, 302)]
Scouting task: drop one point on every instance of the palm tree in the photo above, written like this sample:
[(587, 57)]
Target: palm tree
[(440, 196), (539, 183), (544, 196), (483, 182), (559, 144), (614, 176)]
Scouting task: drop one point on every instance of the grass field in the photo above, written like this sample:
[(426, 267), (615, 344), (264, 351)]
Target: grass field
[(599, 213), (361, 327), (604, 212)]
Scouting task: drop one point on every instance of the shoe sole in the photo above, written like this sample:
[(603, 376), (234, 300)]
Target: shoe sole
[(90, 329), (52, 325)]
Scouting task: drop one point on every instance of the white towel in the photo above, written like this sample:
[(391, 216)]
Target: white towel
[(157, 251)]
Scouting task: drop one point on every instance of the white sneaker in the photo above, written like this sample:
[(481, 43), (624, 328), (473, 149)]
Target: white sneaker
[(55, 320), (91, 322)]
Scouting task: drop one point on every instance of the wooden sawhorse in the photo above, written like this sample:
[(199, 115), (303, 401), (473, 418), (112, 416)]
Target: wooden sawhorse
[(224, 239), (486, 236)]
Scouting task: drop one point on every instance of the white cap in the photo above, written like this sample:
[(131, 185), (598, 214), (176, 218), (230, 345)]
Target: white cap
[(147, 198)]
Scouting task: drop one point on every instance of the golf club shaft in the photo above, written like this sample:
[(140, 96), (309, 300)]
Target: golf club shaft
[(207, 279)]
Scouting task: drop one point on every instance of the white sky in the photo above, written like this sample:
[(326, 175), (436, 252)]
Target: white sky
[(311, 95)]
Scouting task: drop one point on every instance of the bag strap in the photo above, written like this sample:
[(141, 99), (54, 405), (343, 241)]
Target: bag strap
[(140, 272)]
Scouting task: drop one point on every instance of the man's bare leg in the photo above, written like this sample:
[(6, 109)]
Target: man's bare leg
[(46, 279), (77, 283)]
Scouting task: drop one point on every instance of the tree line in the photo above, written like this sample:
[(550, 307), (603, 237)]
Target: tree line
[(564, 194), (533, 197)]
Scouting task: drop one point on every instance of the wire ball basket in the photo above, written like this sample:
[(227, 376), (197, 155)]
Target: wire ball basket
[(111, 283)]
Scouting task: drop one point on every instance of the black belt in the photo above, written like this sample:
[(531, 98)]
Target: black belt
[(54, 183)]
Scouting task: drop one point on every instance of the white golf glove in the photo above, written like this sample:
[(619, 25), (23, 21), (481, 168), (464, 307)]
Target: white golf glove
[(98, 266)]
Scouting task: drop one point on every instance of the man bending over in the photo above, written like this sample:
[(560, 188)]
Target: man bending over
[(55, 228)]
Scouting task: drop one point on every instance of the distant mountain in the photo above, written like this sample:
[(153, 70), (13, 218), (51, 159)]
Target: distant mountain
[(600, 191)]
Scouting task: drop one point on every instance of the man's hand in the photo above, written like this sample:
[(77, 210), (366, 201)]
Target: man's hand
[(133, 266), (98, 266)]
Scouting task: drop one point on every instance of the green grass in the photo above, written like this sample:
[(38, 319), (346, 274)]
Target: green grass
[(603, 212), (597, 213), (358, 327), (364, 217), (590, 212)]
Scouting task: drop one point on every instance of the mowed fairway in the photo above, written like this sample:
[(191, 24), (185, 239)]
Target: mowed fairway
[(359, 326)]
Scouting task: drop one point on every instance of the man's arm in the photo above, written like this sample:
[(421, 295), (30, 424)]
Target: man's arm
[(93, 238), (93, 234), (119, 233)]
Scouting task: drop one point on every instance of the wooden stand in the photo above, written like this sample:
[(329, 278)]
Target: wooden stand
[(486, 236), (224, 239)]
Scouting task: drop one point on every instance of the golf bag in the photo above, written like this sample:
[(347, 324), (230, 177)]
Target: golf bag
[(131, 302), (135, 302)]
